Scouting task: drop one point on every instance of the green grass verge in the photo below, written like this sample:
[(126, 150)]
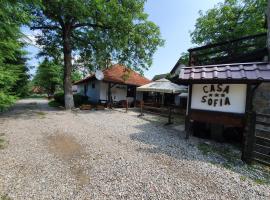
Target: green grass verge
[(5, 197), (231, 160)]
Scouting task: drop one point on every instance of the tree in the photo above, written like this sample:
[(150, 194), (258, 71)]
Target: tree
[(230, 20), (97, 31), (13, 69), (48, 76)]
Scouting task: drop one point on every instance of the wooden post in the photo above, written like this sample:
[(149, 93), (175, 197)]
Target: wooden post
[(109, 96), (169, 116), (187, 119), (141, 106), (126, 105), (268, 30), (249, 137)]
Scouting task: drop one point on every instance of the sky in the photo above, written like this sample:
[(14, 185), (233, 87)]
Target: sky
[(176, 18)]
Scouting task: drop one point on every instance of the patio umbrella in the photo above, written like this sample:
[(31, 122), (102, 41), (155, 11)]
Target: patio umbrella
[(163, 86)]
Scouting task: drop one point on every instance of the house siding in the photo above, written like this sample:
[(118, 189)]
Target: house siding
[(100, 92)]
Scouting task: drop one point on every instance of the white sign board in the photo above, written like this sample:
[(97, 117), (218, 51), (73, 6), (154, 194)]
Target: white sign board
[(219, 97)]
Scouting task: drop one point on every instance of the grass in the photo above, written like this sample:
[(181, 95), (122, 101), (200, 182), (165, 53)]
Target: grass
[(230, 159), (5, 197), (3, 142)]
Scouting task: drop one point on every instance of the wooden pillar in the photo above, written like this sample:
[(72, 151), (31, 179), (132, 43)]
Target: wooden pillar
[(249, 137), (126, 105), (268, 29), (109, 95), (187, 119), (141, 107), (170, 116)]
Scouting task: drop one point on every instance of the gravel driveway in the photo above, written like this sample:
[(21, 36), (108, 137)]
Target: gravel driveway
[(52, 154)]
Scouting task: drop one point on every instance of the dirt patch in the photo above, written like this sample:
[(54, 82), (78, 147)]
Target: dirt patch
[(70, 151), (64, 146)]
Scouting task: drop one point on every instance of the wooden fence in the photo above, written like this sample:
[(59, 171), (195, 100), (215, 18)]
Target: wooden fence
[(162, 111), (257, 142)]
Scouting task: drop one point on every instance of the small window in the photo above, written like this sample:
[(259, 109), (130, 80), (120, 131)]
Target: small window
[(93, 85)]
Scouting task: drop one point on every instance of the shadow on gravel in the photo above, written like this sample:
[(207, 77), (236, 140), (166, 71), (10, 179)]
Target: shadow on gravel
[(172, 143), (28, 109)]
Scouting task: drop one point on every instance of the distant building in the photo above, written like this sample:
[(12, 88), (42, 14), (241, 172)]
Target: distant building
[(119, 83)]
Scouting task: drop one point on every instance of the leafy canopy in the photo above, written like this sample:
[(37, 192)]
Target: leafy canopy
[(230, 20), (48, 76), (100, 31), (13, 70)]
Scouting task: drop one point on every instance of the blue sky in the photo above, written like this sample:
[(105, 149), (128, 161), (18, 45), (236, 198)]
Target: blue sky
[(176, 18)]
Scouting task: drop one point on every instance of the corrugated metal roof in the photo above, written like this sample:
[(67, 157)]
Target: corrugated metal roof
[(256, 72)]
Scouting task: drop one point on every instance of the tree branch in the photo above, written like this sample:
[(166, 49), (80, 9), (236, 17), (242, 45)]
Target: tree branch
[(90, 25), (46, 27)]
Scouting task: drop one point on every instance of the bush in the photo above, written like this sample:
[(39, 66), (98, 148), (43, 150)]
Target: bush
[(59, 97), (6, 101), (78, 99)]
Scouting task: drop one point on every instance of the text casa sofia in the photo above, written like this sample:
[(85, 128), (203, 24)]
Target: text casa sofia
[(216, 95)]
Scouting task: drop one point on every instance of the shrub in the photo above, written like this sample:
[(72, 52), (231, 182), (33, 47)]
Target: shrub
[(78, 99), (59, 97)]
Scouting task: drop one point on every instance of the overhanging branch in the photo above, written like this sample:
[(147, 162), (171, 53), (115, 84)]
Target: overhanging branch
[(45, 27), (90, 25)]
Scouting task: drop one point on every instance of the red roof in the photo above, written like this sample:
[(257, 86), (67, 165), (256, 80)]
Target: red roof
[(121, 75), (252, 72)]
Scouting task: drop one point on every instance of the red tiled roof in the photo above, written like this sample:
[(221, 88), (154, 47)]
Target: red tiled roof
[(253, 72), (121, 75)]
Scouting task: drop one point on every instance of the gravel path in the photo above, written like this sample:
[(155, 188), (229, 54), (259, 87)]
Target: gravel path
[(54, 154)]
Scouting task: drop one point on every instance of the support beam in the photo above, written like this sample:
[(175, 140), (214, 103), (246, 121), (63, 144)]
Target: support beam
[(268, 29)]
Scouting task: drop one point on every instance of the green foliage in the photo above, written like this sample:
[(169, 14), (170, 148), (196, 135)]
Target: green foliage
[(100, 31), (13, 70), (184, 58), (230, 20), (78, 99), (59, 97), (48, 76), (54, 104), (6, 101)]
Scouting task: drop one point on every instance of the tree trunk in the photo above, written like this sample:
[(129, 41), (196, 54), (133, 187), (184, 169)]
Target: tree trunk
[(69, 102), (268, 29)]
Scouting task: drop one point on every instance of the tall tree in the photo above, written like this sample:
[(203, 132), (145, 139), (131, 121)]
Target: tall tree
[(48, 76), (230, 20), (13, 69), (97, 31)]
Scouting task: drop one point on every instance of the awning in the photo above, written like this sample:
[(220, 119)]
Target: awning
[(163, 86)]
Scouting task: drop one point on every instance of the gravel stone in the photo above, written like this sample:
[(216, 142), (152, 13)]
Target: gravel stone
[(56, 154)]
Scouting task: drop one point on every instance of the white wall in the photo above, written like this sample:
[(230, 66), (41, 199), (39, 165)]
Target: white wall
[(100, 92), (93, 93), (80, 88)]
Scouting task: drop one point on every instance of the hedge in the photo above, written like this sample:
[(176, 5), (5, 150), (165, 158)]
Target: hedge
[(78, 99)]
